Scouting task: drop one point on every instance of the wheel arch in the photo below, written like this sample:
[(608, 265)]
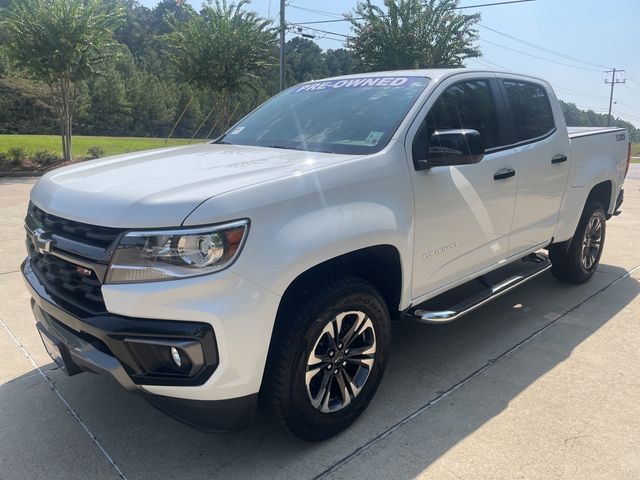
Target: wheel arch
[(602, 192), (380, 265)]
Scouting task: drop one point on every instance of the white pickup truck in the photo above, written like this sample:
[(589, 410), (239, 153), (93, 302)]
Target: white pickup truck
[(268, 264)]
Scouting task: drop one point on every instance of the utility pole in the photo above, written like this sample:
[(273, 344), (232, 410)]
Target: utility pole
[(613, 82), (282, 29)]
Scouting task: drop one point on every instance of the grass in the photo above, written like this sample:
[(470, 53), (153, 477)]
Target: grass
[(635, 152), (111, 145)]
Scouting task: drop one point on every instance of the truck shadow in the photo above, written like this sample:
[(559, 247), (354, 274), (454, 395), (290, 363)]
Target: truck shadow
[(425, 362)]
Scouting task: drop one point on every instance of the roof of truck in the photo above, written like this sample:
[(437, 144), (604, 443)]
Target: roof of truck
[(435, 74)]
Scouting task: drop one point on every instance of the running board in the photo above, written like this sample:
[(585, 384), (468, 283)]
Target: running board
[(461, 300)]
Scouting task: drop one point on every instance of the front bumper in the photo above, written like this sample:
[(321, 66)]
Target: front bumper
[(102, 344)]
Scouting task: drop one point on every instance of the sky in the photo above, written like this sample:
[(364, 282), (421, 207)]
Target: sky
[(590, 36)]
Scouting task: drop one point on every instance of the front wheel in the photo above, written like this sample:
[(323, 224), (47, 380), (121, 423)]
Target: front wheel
[(578, 262), (327, 358)]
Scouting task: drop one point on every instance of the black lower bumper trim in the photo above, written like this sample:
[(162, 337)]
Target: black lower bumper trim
[(98, 344), (215, 416), (112, 334)]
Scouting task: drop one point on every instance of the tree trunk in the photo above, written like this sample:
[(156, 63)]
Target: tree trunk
[(66, 120), (224, 110), (62, 136)]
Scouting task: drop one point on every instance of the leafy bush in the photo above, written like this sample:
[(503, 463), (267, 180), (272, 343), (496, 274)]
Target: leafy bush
[(95, 152), (17, 155), (45, 158), (4, 160)]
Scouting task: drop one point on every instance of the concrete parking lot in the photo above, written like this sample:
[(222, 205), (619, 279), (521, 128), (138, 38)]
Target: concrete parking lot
[(542, 383)]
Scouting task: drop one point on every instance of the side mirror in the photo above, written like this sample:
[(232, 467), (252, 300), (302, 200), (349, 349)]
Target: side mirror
[(453, 147)]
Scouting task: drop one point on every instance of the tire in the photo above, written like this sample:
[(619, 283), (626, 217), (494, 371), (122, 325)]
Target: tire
[(577, 262), (300, 359)]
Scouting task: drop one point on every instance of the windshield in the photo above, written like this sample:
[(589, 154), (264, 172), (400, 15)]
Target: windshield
[(354, 116)]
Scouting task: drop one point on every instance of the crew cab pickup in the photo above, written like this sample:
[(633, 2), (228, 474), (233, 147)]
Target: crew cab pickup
[(268, 264)]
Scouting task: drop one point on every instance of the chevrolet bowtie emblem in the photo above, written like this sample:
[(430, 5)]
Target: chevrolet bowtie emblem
[(85, 272), (41, 244)]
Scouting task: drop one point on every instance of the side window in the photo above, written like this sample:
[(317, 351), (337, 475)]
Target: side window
[(530, 108), (467, 104)]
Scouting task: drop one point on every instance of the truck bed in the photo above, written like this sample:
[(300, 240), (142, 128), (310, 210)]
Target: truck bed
[(584, 131), (596, 153)]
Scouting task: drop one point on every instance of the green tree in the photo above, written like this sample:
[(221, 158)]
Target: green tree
[(61, 42), (109, 110), (154, 101), (413, 34), (340, 62), (588, 118), (304, 61), (223, 49)]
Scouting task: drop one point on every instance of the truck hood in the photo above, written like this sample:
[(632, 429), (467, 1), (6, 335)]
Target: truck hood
[(159, 188)]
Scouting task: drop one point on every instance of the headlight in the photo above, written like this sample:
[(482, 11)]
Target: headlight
[(170, 254)]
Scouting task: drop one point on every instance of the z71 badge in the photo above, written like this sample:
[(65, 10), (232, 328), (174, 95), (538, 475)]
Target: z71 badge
[(438, 251)]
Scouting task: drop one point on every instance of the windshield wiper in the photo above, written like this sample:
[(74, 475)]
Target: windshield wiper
[(283, 147)]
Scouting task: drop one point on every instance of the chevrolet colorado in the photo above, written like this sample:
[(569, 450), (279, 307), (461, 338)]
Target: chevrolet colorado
[(269, 263)]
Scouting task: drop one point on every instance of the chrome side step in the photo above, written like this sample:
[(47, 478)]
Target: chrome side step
[(487, 288)]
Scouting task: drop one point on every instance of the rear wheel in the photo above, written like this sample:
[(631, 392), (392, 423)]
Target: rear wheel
[(327, 358), (578, 261)]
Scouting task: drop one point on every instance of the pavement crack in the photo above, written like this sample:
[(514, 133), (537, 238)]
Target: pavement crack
[(10, 271), (489, 363), (74, 414)]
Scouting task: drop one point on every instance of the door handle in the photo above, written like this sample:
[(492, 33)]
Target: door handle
[(504, 173), (559, 159)]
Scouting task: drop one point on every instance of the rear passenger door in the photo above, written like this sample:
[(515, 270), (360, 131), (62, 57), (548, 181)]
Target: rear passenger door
[(542, 147)]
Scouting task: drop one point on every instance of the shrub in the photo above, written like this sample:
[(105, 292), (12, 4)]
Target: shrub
[(45, 158), (95, 152), (4, 160), (16, 155)]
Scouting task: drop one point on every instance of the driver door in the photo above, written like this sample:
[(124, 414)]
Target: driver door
[(463, 213)]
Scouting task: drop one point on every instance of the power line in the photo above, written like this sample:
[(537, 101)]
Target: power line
[(362, 18), (627, 105), (538, 57), (328, 21), (616, 112), (324, 36), (491, 4), (585, 107), (301, 25), (624, 115), (486, 62), (578, 93), (319, 12), (631, 89), (544, 49)]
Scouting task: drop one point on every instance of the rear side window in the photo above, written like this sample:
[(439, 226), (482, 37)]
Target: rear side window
[(531, 110), (466, 104)]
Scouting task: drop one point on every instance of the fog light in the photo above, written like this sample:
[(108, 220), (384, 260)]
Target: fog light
[(176, 356), (167, 357)]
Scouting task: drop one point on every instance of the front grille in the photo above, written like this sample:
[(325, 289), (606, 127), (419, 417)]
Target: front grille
[(76, 288), (81, 232), (65, 284)]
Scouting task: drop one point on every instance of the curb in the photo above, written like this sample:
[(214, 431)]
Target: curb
[(22, 173)]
